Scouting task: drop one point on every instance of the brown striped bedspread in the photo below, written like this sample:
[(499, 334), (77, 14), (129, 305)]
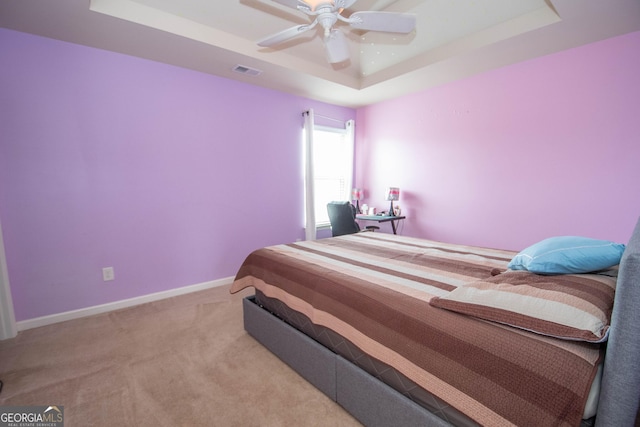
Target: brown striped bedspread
[(374, 290)]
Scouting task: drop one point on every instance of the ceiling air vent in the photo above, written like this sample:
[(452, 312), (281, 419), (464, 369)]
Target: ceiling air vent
[(243, 69)]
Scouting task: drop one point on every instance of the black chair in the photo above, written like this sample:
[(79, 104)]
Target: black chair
[(342, 216)]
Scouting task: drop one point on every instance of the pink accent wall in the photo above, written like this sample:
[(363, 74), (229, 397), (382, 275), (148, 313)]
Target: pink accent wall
[(546, 147), (169, 175)]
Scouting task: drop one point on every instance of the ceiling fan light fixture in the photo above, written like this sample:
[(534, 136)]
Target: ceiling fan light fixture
[(315, 4), (336, 47)]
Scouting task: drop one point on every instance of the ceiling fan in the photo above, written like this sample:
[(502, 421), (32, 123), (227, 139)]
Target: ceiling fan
[(327, 13)]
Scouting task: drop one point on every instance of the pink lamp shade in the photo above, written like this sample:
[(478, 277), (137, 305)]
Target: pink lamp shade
[(393, 193), (357, 194)]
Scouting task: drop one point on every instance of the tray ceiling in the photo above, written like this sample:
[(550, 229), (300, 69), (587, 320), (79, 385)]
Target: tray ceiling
[(453, 38)]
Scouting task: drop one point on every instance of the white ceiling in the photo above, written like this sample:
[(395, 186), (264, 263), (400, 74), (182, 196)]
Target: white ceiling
[(453, 38)]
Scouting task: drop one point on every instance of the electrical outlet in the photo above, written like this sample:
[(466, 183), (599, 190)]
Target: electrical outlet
[(108, 274)]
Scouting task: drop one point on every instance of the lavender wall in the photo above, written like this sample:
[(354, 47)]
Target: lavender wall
[(168, 175), (545, 147)]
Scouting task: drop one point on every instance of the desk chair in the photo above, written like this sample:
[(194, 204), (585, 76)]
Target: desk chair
[(342, 216)]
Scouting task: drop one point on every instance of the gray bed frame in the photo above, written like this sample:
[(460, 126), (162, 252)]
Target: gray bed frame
[(374, 403)]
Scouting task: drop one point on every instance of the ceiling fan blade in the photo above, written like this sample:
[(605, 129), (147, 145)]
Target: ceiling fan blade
[(284, 35), (293, 3), (390, 22), (336, 47)]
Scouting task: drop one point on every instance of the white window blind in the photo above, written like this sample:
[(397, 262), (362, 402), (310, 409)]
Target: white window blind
[(332, 167)]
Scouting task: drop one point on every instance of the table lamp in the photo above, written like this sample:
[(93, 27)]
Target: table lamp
[(393, 193), (356, 194)]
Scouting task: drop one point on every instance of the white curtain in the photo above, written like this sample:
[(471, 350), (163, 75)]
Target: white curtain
[(350, 127), (310, 209), (8, 328)]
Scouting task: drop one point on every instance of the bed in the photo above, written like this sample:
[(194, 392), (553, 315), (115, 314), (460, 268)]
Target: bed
[(392, 329)]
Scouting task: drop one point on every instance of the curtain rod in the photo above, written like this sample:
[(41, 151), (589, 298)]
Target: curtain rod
[(325, 117)]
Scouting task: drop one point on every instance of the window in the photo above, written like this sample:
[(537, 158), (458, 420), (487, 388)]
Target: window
[(333, 169)]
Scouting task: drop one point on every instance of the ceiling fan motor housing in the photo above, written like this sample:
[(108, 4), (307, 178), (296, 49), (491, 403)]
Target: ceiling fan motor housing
[(326, 18)]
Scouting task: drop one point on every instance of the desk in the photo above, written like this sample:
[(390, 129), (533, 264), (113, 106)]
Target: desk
[(382, 218)]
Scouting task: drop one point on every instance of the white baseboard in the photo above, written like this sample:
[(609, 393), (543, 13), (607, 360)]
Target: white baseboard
[(116, 305)]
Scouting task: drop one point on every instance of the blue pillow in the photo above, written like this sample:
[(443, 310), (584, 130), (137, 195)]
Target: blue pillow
[(568, 255)]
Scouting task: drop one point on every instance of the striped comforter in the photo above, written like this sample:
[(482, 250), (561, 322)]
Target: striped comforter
[(374, 290)]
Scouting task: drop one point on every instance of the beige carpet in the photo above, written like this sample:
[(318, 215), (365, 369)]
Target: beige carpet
[(183, 361)]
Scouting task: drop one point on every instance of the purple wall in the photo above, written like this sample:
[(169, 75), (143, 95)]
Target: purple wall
[(546, 147), (168, 175)]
